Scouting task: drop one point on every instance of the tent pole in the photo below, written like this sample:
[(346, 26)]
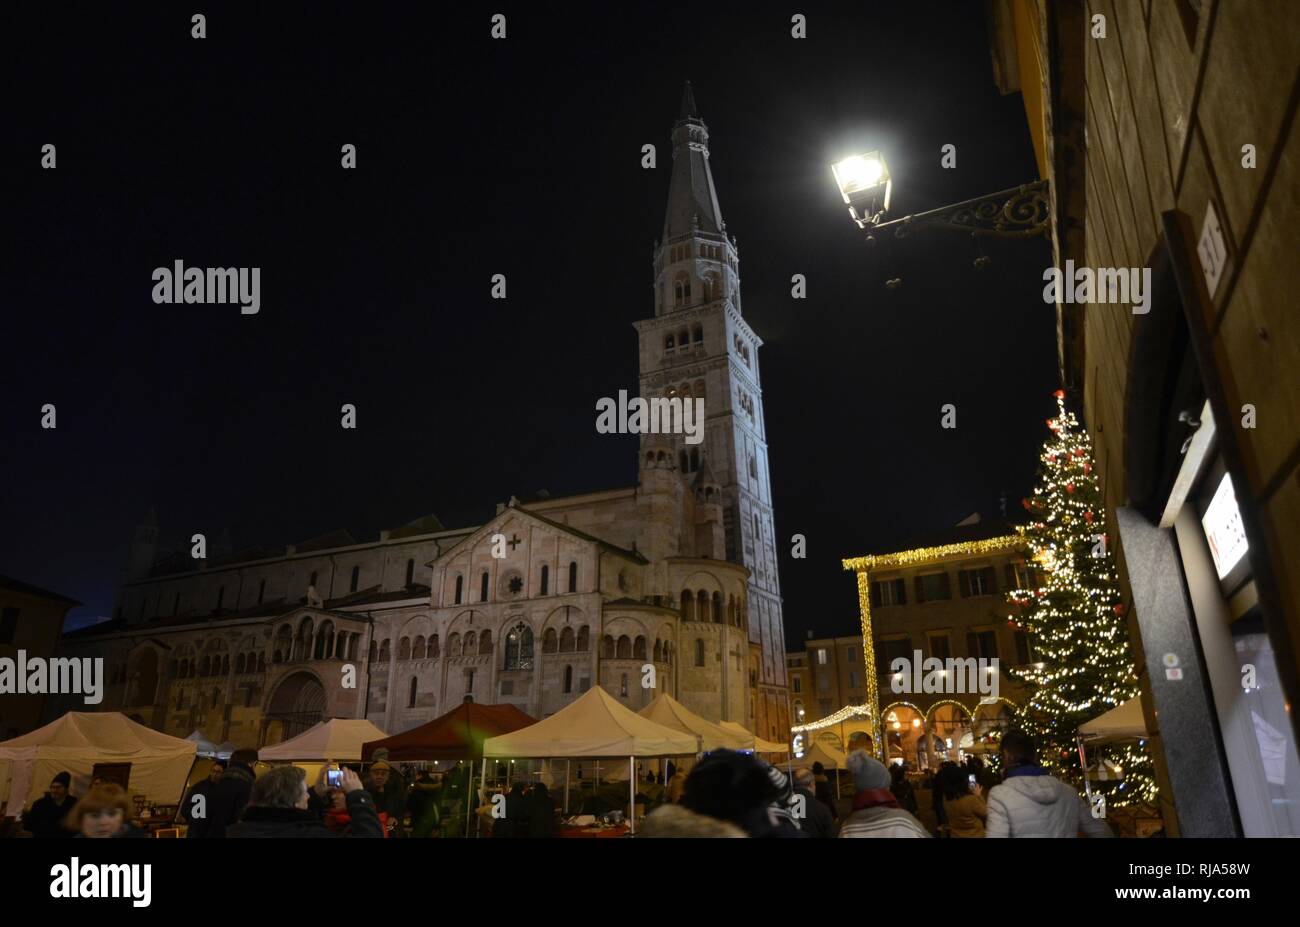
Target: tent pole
[(482, 782), (566, 787), (631, 808)]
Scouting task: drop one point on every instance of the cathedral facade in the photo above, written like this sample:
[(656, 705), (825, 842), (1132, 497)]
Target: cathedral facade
[(670, 585)]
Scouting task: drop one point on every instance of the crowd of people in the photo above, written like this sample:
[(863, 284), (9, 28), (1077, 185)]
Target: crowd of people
[(726, 794)]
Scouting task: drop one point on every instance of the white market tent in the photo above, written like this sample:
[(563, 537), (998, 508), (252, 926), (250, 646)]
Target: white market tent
[(1123, 722), (669, 712), (207, 748), (338, 739), (595, 725), (819, 752), (79, 740), (759, 744)]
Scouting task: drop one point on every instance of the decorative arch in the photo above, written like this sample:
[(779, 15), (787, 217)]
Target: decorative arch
[(297, 703)]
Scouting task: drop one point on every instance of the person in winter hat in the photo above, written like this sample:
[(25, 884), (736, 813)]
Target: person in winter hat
[(738, 787), (1030, 803), (876, 812)]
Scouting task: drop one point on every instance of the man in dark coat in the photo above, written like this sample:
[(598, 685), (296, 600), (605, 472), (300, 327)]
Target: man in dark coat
[(198, 823), (45, 817), (541, 812), (822, 789), (228, 797), (816, 820), (277, 807), (422, 805), (388, 790)]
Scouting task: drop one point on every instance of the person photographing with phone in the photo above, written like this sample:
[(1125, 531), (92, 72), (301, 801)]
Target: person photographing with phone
[(963, 801), (279, 800)]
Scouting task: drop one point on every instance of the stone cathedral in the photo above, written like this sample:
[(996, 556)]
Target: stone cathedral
[(549, 597)]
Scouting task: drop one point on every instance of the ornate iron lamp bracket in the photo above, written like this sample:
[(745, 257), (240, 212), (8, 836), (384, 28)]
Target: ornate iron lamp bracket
[(1020, 212)]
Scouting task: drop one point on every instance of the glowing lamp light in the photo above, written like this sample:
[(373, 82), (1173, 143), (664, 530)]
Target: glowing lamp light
[(865, 184), (916, 722)]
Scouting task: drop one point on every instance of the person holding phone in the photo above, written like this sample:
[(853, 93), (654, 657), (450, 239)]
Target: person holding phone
[(278, 807), (963, 802)]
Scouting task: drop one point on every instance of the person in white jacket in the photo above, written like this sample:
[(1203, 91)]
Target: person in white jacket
[(1030, 803)]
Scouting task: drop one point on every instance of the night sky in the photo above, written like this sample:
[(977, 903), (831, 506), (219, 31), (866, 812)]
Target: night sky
[(478, 157)]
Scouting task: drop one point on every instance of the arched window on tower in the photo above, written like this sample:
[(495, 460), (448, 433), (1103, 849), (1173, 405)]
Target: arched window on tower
[(546, 578), (573, 576), (568, 679), (717, 608), (410, 573), (584, 639), (460, 588), (483, 587), (688, 605), (550, 642), (702, 605), (670, 343), (356, 578), (566, 641), (753, 468), (699, 651), (410, 701)]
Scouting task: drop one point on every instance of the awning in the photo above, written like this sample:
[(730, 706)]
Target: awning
[(456, 735), (1124, 722), (594, 725)]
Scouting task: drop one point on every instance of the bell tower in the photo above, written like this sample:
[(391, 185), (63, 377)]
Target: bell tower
[(698, 345)]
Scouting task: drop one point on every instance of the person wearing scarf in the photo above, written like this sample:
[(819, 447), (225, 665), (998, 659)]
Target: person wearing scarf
[(876, 812)]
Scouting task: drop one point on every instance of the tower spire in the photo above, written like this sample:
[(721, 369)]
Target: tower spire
[(688, 103), (692, 199)]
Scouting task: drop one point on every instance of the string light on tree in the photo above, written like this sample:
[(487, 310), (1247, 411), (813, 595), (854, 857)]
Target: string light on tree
[(1075, 616)]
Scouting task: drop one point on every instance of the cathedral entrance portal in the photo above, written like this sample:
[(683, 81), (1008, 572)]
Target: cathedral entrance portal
[(298, 703)]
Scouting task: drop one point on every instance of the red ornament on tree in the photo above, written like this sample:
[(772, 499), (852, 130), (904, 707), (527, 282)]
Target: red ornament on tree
[(1087, 467), (1119, 609), (1069, 487), (1025, 503), (1059, 394), (1087, 516)]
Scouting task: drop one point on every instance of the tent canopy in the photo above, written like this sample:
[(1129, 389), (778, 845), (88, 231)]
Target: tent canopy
[(824, 754), (335, 739), (1123, 722), (79, 740), (596, 725), (205, 747), (759, 744), (457, 735), (669, 712)]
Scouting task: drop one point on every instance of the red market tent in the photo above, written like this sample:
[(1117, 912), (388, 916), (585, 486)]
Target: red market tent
[(457, 735)]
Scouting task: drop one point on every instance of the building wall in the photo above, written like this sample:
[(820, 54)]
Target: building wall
[(36, 621), (1167, 119)]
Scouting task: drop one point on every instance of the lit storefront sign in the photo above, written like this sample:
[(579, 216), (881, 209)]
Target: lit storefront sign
[(1223, 529)]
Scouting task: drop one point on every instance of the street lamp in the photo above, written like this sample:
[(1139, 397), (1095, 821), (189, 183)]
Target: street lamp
[(865, 184)]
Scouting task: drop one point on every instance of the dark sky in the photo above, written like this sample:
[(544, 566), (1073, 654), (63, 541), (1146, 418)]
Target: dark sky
[(479, 157)]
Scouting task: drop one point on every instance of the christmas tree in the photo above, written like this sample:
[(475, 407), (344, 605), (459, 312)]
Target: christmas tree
[(1083, 666)]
